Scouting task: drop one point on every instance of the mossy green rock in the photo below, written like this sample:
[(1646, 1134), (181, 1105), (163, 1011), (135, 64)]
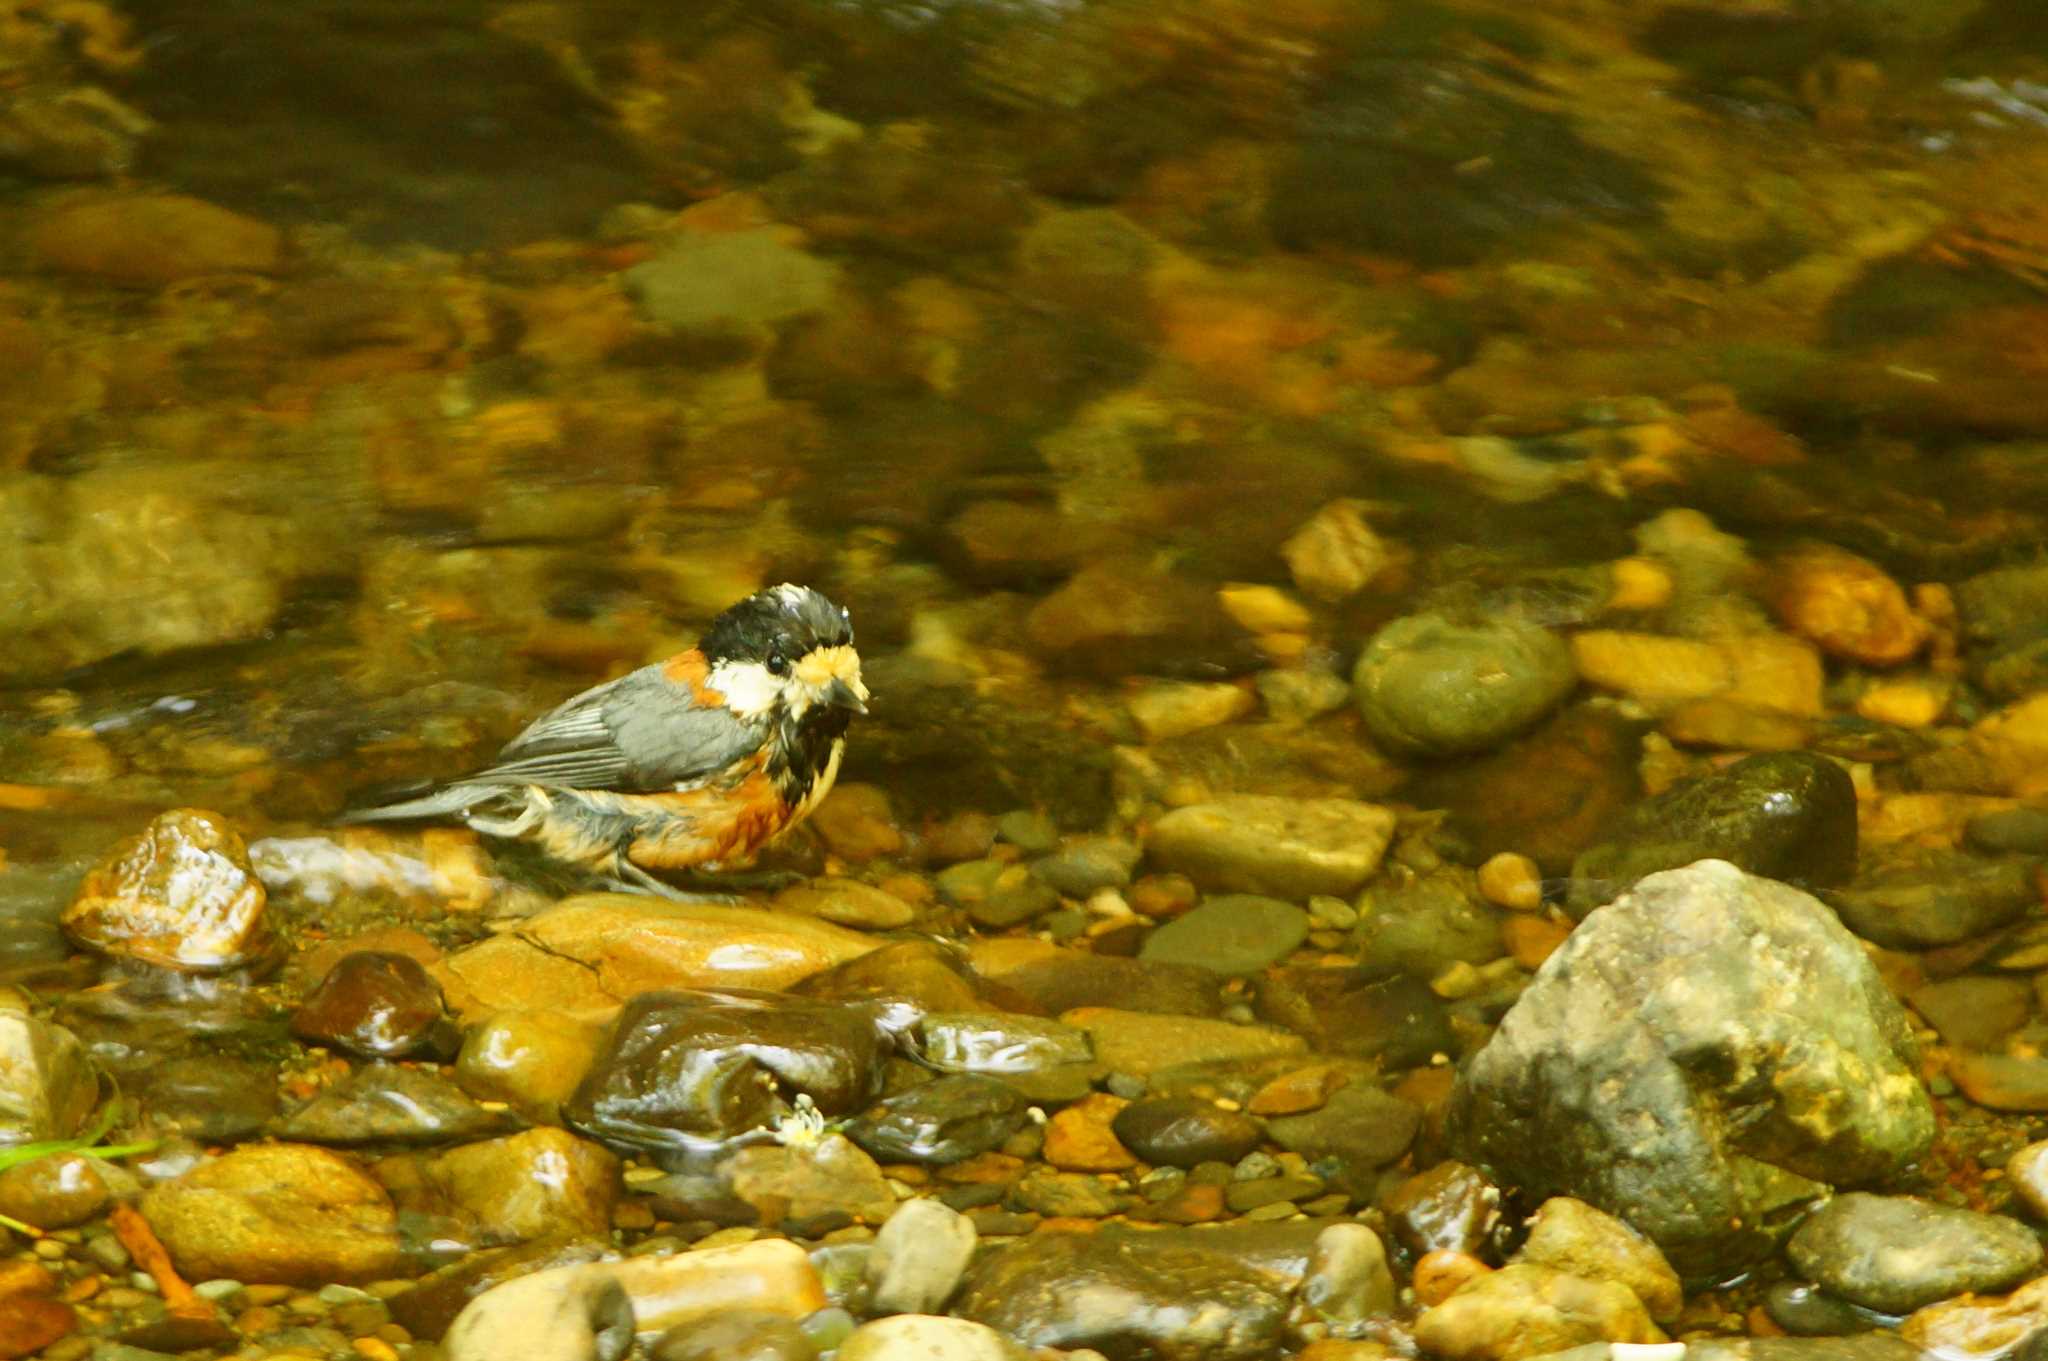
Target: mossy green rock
[(1430, 686)]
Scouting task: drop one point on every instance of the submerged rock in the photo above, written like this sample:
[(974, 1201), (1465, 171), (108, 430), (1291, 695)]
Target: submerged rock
[(384, 1102), (574, 1313), (48, 1085), (376, 1005), (180, 894), (1527, 1310), (521, 1187), (1701, 994), (1787, 815), (1430, 686), (1286, 848), (1897, 1253), (1170, 1294), (947, 1120), (284, 1213), (688, 1069), (1928, 897)]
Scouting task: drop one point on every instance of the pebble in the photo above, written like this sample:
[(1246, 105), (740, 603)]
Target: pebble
[(1087, 865), (919, 1257), (1527, 1310), (924, 1337), (282, 1212), (1360, 1124), (1348, 1280), (1844, 604), (996, 893), (1298, 695), (181, 894), (29, 1323), (1028, 829), (1897, 1253), (1922, 897), (1450, 1207), (1974, 1011), (1335, 553), (1573, 1237), (1512, 881), (856, 823), (947, 1120), (1185, 1132), (1280, 847), (1763, 671), (810, 1184), (150, 240), (562, 1313), (1298, 1090), (2027, 1171), (2023, 830), (1431, 686), (683, 1067), (589, 953), (1129, 1293), (1068, 1195), (741, 1335), (526, 1185), (847, 902), (1443, 1272), (1081, 1137), (386, 1102), (1165, 710), (530, 1059), (54, 1192), (1232, 933), (1141, 1043), (1697, 978), (1982, 1328), (1784, 815), (376, 1005)]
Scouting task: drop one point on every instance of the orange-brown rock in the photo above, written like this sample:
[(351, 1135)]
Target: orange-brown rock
[(1303, 1089), (148, 240), (1529, 940), (1079, 1138), (591, 952), (1443, 1273), (1846, 605), (180, 894)]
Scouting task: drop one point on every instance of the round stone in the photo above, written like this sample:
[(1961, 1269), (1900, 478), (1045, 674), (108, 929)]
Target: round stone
[(1428, 686)]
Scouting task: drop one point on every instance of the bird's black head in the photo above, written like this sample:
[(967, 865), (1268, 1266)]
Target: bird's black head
[(789, 622)]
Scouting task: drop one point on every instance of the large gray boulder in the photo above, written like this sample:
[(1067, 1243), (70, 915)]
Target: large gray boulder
[(1699, 1056)]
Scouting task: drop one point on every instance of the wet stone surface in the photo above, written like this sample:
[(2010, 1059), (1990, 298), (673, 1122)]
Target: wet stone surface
[(1359, 696)]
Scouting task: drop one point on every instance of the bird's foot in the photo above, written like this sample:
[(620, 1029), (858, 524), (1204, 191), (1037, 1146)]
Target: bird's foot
[(632, 879), (750, 881)]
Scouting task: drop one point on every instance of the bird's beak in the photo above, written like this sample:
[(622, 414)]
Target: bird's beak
[(843, 696)]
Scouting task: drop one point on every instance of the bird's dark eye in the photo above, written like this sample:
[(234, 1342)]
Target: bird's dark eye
[(778, 665)]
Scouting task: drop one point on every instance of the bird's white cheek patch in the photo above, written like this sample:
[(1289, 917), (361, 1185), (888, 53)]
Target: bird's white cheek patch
[(748, 688)]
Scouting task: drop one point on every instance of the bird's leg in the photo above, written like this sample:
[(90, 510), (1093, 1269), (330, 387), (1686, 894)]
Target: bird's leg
[(759, 881), (632, 879)]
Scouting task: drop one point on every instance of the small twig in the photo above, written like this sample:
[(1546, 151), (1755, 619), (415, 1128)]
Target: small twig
[(150, 1254)]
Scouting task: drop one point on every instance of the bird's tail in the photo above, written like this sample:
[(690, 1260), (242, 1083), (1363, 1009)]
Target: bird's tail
[(441, 803)]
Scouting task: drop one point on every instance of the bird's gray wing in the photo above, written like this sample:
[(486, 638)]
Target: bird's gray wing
[(638, 734)]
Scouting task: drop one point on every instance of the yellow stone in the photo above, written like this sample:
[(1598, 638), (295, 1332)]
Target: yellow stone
[(1512, 881), (1263, 609), (1639, 584), (1649, 667), (1914, 703)]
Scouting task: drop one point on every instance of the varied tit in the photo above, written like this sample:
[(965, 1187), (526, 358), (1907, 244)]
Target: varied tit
[(695, 763)]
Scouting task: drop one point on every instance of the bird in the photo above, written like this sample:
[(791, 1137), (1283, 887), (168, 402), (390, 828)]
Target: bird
[(692, 764)]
